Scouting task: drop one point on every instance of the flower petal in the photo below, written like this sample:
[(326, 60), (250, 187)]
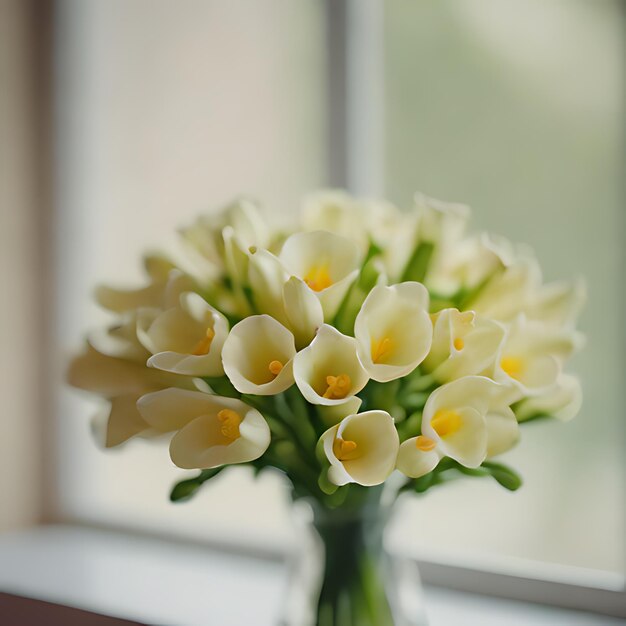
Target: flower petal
[(200, 445), (253, 346), (393, 330), (330, 354), (414, 462)]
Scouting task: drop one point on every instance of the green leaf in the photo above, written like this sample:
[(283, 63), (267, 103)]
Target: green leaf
[(325, 485), (417, 267), (186, 489), (222, 387), (506, 476)]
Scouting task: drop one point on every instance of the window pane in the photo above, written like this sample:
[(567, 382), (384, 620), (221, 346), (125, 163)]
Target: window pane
[(165, 109), (516, 108)]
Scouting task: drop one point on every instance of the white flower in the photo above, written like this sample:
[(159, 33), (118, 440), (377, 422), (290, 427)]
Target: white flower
[(510, 291), (120, 422), (470, 263), (362, 220), (464, 344), (441, 223), (186, 339), (418, 456), (383, 220), (326, 262), (532, 355), (337, 212), (433, 222), (120, 340), (502, 426), (393, 330), (258, 356), (466, 420), (558, 304), (213, 431), (401, 245), (303, 310), (361, 449), (165, 286), (206, 235), (267, 277), (334, 413), (121, 382), (562, 401), (328, 371)]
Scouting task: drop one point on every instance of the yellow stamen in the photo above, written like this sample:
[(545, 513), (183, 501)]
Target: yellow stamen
[(344, 450), (230, 423), (425, 444), (512, 365), (380, 349), (338, 386), (318, 278), (204, 345), (275, 367), (446, 422), (459, 344)]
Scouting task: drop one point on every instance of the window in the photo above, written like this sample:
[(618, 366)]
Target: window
[(515, 109)]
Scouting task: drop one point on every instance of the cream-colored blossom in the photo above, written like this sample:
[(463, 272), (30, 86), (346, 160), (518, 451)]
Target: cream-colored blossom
[(121, 382), (120, 340), (258, 356), (441, 223), (464, 344), (562, 401), (558, 304), (303, 311), (206, 235), (509, 292), (212, 430), (334, 413), (186, 339), (335, 211), (393, 330), (166, 283), (120, 421), (466, 420), (328, 371), (532, 355), (267, 277), (361, 449), (326, 262), (432, 222), (470, 263), (362, 220)]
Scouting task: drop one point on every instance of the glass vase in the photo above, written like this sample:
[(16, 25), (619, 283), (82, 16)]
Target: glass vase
[(342, 575)]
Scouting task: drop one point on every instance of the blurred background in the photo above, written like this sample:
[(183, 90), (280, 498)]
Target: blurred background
[(121, 120)]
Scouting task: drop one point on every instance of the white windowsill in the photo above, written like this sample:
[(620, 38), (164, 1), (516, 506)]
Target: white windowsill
[(182, 584)]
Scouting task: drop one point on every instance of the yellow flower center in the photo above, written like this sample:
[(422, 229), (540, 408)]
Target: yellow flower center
[(459, 344), (512, 365), (425, 444), (344, 450), (204, 345), (318, 278), (446, 422), (275, 367), (380, 349), (338, 386), (230, 423)]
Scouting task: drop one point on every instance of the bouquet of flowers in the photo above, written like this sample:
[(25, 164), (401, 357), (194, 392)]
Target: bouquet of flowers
[(366, 344)]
